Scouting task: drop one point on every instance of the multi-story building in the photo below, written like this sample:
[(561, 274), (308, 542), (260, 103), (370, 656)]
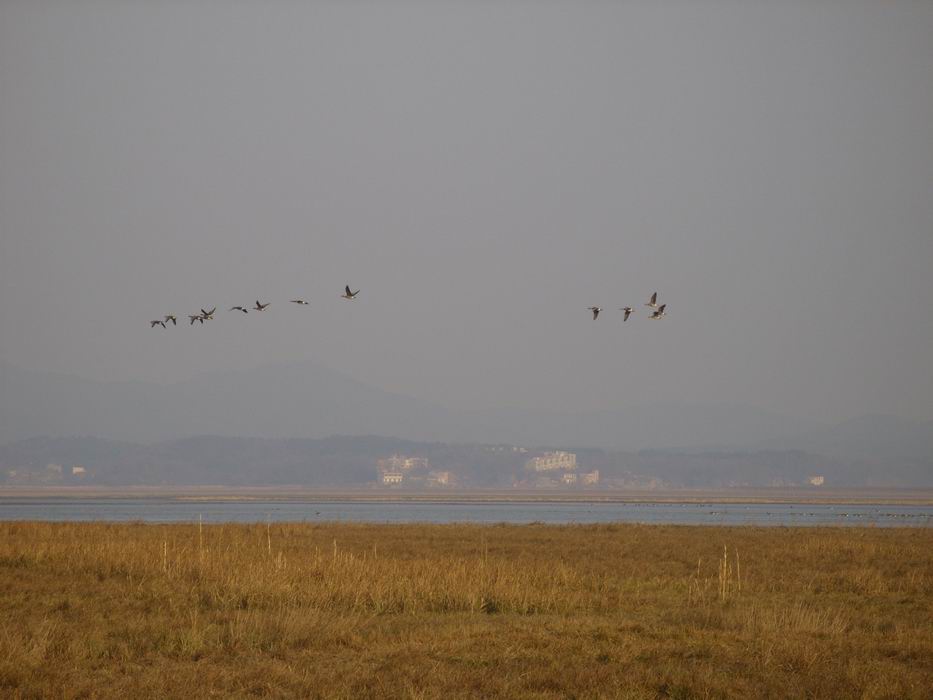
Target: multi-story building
[(590, 478), (550, 461)]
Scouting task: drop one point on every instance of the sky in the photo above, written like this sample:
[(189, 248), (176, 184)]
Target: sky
[(483, 172)]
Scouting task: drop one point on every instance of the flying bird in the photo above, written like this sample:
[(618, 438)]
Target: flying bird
[(153, 324), (208, 315), (300, 302), (595, 310), (654, 301), (348, 294), (196, 317), (239, 308), (659, 313), (171, 317), (260, 307), (628, 312)]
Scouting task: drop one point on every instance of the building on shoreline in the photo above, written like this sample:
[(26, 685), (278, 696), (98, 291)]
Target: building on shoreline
[(401, 468), (550, 461)]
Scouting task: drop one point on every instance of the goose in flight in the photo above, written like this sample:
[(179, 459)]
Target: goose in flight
[(659, 313), (239, 308), (348, 294), (595, 310), (654, 301), (300, 302), (260, 307), (171, 317), (196, 317), (628, 312), (157, 322), (208, 315)]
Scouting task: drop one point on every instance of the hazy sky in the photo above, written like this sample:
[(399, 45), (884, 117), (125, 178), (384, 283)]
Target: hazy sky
[(483, 172)]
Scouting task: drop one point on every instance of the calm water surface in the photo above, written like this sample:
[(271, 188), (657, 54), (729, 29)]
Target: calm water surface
[(157, 510)]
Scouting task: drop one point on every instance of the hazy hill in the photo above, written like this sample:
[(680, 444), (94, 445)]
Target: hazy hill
[(351, 461), (306, 401), (867, 437), (310, 401)]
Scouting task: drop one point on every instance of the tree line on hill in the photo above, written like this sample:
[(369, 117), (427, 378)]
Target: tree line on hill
[(344, 461)]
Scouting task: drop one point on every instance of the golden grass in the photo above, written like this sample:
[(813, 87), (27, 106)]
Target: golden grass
[(353, 610)]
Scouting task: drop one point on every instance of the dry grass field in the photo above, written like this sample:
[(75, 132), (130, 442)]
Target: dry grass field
[(343, 610)]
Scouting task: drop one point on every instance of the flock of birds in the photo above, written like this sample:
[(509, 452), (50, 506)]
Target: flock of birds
[(205, 315), (659, 311)]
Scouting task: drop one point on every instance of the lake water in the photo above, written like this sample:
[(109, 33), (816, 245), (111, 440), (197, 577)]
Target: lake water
[(159, 510)]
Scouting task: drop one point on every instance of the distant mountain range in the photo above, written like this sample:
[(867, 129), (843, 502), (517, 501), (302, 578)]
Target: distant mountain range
[(867, 437), (310, 401), (273, 423)]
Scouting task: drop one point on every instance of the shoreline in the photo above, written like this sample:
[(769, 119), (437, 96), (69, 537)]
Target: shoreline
[(922, 497)]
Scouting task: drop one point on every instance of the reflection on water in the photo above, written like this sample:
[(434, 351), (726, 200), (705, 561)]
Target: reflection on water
[(170, 510)]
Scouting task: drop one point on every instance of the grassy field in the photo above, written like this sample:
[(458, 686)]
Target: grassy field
[(343, 610)]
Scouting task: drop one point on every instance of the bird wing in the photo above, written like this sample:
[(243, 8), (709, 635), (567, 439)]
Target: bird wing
[(348, 291)]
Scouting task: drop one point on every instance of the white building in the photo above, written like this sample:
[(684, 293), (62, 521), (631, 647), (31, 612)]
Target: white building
[(550, 461), (392, 478)]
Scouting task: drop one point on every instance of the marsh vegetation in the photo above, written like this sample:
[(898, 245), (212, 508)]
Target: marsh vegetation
[(352, 610)]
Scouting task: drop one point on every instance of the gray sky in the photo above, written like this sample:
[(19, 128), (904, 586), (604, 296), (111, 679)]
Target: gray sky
[(484, 172)]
